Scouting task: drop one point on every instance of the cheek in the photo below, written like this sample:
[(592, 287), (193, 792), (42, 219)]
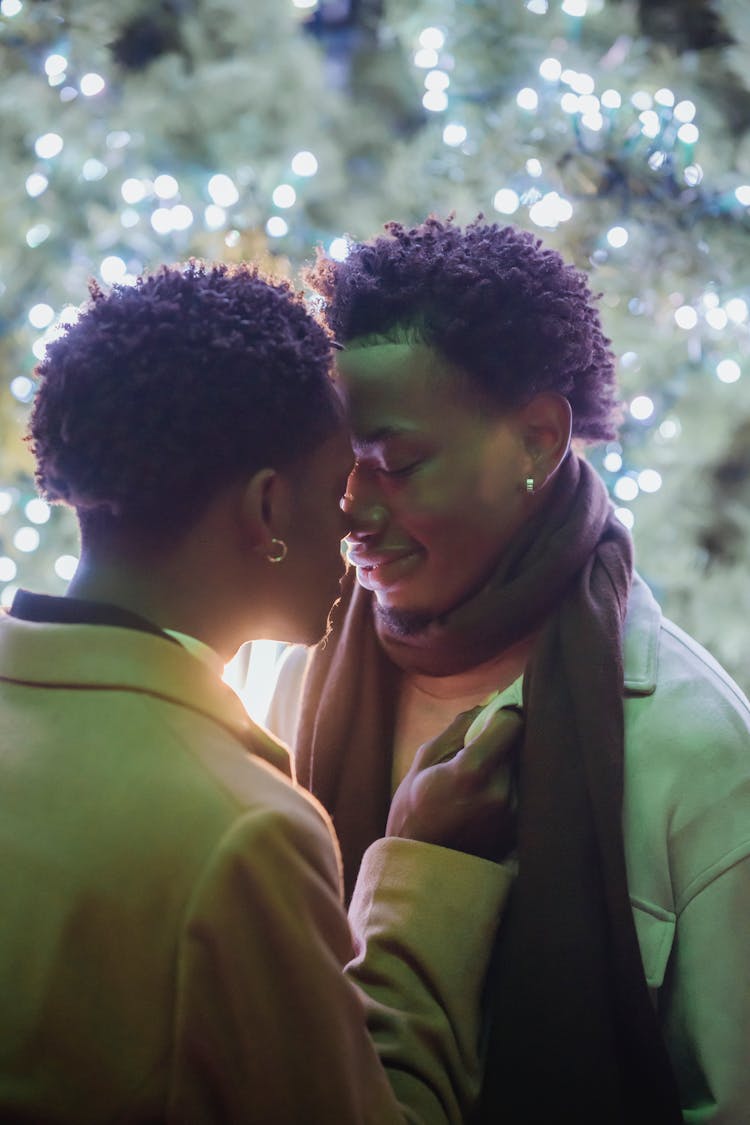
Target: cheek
[(460, 508)]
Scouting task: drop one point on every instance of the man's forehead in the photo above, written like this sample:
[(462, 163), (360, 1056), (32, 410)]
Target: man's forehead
[(384, 359)]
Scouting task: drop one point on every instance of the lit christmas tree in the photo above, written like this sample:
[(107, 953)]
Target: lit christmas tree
[(139, 133)]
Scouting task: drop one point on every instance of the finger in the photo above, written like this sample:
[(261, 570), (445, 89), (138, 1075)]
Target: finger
[(445, 745)]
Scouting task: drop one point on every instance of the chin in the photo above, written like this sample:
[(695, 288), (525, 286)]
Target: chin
[(403, 622)]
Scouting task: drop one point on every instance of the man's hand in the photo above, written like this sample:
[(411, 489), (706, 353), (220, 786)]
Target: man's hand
[(460, 796)]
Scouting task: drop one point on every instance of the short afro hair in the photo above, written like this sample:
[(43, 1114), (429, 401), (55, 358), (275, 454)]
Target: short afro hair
[(165, 391), (491, 300)]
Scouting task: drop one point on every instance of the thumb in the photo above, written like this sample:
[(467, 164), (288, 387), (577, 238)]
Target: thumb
[(496, 738), (445, 745)]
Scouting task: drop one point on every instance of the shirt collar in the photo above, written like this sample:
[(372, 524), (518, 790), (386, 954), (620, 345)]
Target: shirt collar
[(641, 640)]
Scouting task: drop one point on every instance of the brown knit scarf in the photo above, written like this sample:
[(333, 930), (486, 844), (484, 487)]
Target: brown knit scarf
[(572, 1035)]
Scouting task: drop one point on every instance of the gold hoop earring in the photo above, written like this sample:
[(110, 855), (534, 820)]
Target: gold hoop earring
[(281, 551), (530, 485)]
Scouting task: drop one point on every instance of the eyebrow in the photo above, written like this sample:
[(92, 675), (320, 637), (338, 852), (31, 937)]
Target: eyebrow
[(375, 437)]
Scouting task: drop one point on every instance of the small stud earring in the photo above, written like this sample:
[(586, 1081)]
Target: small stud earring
[(530, 485), (281, 551)]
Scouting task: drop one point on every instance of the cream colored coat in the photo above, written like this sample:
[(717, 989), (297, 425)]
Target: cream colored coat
[(171, 931), (686, 823)]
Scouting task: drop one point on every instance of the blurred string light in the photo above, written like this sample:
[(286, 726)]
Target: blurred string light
[(118, 138), (506, 201), (304, 163), (10, 8), (550, 69), (611, 99), (26, 539), (284, 196), (688, 133), (527, 98), (48, 145), (649, 480), (426, 58), (626, 517), (684, 111), (626, 488), (37, 510), (686, 317), (161, 220), (437, 80), (22, 388), (41, 315), (432, 37), (182, 216), (454, 134), (617, 237), (737, 310), (133, 191), (223, 190), (276, 227), (36, 183), (435, 100), (576, 8), (664, 97), (91, 85), (717, 319), (642, 407), (551, 210), (214, 216), (112, 270), (55, 65), (669, 428), (728, 371), (339, 249), (166, 187), (66, 566), (579, 81), (94, 170)]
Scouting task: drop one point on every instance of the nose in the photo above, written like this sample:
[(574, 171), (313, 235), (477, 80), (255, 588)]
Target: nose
[(363, 505)]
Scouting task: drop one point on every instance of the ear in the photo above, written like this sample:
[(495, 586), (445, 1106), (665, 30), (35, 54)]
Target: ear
[(547, 422), (265, 508)]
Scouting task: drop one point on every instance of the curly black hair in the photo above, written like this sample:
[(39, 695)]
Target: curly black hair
[(492, 300), (164, 391)]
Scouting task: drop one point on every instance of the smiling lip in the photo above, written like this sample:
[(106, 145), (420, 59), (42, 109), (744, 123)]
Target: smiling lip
[(373, 562), (386, 569)]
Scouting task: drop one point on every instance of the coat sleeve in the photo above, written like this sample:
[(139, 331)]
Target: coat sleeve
[(268, 1027), (708, 1013), (425, 918)]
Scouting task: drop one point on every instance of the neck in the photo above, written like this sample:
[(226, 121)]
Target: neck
[(495, 674), (171, 596)]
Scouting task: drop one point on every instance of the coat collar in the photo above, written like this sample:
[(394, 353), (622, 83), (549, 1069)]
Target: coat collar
[(641, 640), (108, 657)]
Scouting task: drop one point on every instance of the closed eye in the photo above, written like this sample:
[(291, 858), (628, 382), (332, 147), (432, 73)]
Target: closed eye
[(403, 471)]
